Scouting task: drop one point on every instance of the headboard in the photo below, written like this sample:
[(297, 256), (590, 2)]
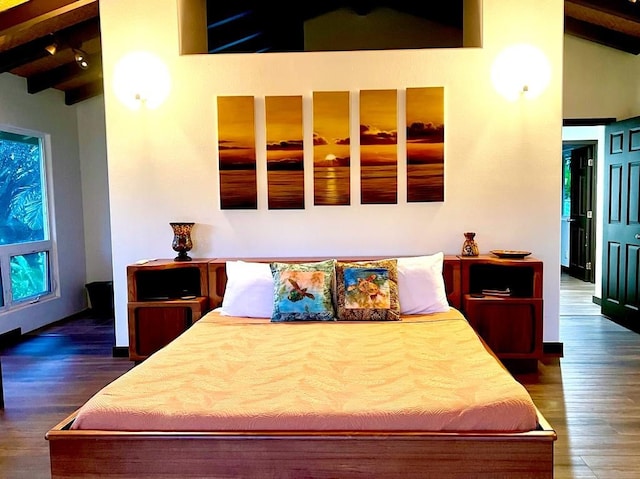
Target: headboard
[(218, 275)]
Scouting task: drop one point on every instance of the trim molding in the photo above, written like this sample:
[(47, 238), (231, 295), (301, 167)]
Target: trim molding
[(587, 121), (10, 337), (555, 349), (120, 352)]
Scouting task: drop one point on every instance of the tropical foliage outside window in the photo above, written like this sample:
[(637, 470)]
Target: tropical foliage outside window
[(566, 187), (25, 243)]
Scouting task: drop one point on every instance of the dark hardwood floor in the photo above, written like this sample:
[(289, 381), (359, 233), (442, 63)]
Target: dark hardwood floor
[(46, 376), (591, 396)]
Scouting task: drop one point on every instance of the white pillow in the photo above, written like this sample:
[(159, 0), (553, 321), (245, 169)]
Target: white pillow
[(421, 287), (249, 290)]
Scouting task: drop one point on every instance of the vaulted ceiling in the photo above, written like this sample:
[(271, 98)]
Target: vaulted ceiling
[(40, 40)]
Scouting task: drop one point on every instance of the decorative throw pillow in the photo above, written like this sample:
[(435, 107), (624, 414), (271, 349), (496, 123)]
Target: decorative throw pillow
[(249, 290), (367, 290), (421, 286), (302, 292)]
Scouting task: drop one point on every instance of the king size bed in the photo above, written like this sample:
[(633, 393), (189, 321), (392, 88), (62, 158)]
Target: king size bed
[(306, 394)]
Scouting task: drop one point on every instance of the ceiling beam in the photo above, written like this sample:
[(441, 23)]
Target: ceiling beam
[(84, 92), (601, 35), (52, 78), (17, 29), (34, 50), (619, 8)]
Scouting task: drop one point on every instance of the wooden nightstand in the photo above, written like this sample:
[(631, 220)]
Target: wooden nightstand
[(165, 298), (512, 325)]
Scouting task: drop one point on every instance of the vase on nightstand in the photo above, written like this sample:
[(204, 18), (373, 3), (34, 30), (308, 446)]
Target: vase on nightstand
[(470, 247), (182, 240)]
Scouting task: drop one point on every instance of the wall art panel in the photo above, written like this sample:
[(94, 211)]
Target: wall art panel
[(425, 144), (378, 147), (237, 153), (285, 165), (331, 148)]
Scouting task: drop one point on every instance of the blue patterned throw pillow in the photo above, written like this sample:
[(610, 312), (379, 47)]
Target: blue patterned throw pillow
[(367, 290), (302, 291)]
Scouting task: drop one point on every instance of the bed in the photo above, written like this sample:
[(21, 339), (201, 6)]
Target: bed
[(249, 397)]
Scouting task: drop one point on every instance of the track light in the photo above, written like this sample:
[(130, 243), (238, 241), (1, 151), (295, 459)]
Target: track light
[(81, 58), (52, 48)]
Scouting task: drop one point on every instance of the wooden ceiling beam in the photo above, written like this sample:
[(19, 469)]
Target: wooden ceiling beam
[(601, 35), (84, 92), (18, 29), (57, 76), (33, 50), (610, 19)]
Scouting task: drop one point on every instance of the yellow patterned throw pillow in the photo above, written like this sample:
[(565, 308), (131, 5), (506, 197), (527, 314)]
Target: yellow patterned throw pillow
[(367, 290), (302, 291)]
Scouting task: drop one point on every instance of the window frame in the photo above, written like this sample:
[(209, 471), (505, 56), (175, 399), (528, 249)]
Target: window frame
[(47, 245)]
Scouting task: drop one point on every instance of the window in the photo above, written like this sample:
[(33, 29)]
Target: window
[(25, 241), (566, 186)]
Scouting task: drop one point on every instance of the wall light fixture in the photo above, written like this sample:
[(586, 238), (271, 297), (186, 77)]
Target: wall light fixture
[(141, 78), (521, 70)]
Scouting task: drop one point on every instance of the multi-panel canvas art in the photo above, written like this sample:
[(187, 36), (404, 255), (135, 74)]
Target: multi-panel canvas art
[(378, 147), (331, 148), (237, 153), (425, 144), (285, 162)]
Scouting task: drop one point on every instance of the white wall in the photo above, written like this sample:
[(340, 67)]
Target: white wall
[(95, 188), (599, 82), (502, 176), (46, 112)]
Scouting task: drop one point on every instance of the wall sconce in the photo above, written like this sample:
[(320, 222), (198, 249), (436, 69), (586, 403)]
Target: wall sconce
[(521, 70), (141, 78), (81, 58)]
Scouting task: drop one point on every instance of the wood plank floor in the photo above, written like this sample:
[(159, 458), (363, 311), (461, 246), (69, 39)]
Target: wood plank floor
[(591, 396)]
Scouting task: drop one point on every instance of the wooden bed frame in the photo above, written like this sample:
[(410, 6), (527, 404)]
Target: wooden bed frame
[(298, 455)]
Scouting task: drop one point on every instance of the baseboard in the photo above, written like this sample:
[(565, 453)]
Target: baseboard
[(10, 337), (555, 349), (120, 352)]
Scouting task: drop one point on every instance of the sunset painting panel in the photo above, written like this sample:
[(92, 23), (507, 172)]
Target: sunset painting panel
[(331, 154), (237, 153), (378, 147), (425, 144), (285, 165)]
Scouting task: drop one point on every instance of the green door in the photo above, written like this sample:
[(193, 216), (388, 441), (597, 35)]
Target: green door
[(621, 219)]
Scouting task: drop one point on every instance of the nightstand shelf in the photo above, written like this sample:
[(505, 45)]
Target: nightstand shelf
[(511, 325), (164, 299)]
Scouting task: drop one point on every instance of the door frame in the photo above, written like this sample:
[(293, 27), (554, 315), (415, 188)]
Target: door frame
[(591, 250)]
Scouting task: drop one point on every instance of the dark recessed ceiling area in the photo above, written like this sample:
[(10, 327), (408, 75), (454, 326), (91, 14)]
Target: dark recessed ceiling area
[(258, 27), (40, 40)]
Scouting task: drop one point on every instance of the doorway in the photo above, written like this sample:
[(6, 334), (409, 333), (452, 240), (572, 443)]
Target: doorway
[(579, 209)]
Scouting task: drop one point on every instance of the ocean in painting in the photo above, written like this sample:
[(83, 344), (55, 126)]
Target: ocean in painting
[(379, 174), (285, 179), (238, 187), (425, 171), (286, 189), (331, 175)]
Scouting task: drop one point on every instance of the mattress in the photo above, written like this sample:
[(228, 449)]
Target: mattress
[(424, 373)]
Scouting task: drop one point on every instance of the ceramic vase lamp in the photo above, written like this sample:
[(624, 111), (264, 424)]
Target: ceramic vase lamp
[(182, 240), (470, 247)]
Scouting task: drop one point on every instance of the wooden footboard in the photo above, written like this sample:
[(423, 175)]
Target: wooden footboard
[(141, 455)]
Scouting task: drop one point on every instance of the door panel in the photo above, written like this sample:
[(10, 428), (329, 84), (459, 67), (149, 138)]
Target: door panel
[(581, 220), (621, 252)]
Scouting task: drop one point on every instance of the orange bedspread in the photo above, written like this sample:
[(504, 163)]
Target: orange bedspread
[(424, 373)]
